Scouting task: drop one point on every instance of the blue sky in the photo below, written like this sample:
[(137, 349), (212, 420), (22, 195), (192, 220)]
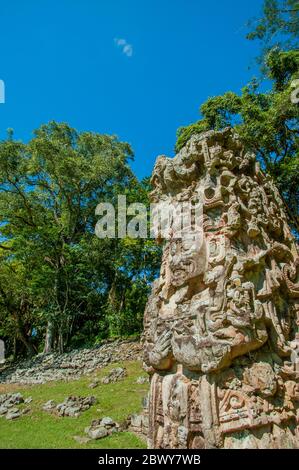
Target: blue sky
[(137, 69)]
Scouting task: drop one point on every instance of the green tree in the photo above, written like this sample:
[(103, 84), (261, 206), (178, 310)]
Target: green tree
[(61, 273), (278, 26), (16, 304)]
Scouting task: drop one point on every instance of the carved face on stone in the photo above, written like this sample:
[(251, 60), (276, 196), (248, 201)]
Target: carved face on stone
[(187, 258)]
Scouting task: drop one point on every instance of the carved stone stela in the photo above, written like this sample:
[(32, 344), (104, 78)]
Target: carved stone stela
[(221, 335)]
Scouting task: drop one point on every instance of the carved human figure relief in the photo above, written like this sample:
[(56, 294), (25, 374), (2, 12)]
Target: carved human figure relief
[(221, 335)]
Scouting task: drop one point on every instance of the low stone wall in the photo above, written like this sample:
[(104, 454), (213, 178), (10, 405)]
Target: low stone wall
[(69, 366)]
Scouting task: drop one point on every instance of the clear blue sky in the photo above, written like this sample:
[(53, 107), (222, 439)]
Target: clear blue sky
[(62, 60)]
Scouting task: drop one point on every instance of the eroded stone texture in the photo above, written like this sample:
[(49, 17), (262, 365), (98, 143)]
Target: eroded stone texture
[(221, 325)]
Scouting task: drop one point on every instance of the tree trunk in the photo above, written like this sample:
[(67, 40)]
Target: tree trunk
[(28, 345), (15, 346), (60, 342), (22, 335), (112, 295), (49, 340)]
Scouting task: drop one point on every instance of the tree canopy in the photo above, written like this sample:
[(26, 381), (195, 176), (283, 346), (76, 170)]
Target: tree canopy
[(60, 285)]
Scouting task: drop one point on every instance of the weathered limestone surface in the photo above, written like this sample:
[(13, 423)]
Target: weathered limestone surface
[(221, 325)]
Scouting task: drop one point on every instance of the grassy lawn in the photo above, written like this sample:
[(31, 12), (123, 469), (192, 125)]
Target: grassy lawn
[(40, 429)]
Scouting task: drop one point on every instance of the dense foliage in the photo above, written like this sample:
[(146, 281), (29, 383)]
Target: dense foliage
[(60, 285)]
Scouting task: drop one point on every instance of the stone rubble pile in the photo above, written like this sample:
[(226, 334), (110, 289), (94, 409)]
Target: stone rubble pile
[(106, 426), (70, 366), (116, 374), (102, 427), (72, 406), (49, 405), (9, 403)]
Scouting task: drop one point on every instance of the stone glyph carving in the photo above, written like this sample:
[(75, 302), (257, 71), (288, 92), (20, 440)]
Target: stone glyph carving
[(221, 338)]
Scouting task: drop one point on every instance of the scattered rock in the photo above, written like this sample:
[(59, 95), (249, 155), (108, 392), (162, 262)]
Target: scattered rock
[(11, 399), (102, 427), (70, 366), (49, 405), (98, 432), (13, 413), (72, 406), (107, 421), (28, 400), (3, 410), (8, 402), (73, 411), (116, 374)]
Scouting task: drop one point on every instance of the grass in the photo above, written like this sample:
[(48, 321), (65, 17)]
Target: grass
[(40, 429)]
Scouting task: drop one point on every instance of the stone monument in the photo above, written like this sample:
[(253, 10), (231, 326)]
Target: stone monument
[(220, 337)]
